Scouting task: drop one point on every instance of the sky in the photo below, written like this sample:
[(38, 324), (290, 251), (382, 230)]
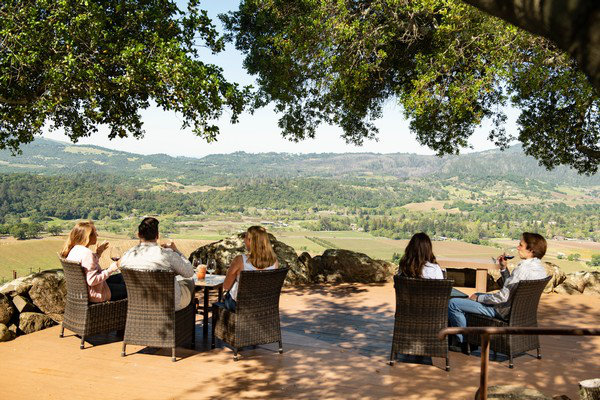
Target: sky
[(259, 132)]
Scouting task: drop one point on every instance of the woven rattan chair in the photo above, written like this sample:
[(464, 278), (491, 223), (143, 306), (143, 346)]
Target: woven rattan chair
[(523, 312), (151, 319), (421, 312), (256, 318), (85, 318)]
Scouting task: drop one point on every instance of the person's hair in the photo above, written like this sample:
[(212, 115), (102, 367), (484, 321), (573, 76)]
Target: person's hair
[(418, 252), (535, 243), (261, 252), (148, 228), (80, 234)]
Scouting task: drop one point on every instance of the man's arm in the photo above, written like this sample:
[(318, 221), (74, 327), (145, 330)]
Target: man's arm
[(178, 262), (503, 294)]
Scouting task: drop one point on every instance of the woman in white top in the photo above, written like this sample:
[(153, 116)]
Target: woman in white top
[(260, 256), (418, 260)]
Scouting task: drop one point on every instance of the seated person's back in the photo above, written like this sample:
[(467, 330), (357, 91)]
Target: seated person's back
[(260, 256), (149, 255), (418, 260)]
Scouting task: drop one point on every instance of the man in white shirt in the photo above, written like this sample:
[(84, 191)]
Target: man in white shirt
[(148, 255), (531, 248)]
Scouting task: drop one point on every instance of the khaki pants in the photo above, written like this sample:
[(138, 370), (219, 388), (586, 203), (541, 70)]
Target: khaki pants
[(187, 291)]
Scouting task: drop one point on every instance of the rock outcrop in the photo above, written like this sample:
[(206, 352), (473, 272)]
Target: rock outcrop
[(337, 265), (558, 276), (31, 303), (30, 322), (6, 309), (5, 333), (581, 282), (17, 286), (48, 291), (224, 251)]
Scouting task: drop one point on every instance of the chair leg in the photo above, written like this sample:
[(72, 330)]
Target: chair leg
[(173, 354), (392, 358), (62, 331), (235, 354), (510, 361), (447, 364), (212, 327), (495, 355), (123, 349), (82, 345), (280, 347), (539, 353)]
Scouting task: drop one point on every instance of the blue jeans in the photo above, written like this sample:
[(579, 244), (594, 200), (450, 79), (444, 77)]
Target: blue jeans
[(457, 308), (228, 303)]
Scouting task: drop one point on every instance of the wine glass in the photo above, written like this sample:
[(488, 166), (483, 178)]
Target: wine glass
[(510, 252), (115, 253), (211, 266)]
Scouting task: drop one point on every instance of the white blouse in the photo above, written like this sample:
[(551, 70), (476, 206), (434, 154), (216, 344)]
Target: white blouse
[(432, 271)]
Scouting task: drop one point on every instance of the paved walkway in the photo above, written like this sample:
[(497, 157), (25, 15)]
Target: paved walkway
[(336, 341)]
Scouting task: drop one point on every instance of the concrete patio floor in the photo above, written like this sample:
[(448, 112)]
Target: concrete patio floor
[(336, 341)]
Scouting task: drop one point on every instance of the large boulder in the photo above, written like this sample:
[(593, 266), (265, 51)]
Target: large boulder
[(558, 276), (224, 251), (22, 304), (7, 309), (337, 265), (30, 322), (5, 333), (581, 283), (48, 291), (17, 286)]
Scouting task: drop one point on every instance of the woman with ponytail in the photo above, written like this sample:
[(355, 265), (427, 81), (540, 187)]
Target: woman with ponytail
[(101, 285), (259, 256)]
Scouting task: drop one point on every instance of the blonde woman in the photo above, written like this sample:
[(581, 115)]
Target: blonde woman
[(259, 256), (101, 285)]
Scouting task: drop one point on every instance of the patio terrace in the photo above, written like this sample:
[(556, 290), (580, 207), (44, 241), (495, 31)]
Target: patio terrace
[(336, 340)]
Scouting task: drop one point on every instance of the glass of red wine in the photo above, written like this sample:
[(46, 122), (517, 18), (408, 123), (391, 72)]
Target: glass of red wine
[(115, 253)]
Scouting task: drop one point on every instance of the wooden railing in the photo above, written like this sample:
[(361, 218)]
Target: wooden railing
[(487, 331)]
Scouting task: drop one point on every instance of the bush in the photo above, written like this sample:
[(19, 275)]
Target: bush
[(574, 257), (595, 260), (54, 230)]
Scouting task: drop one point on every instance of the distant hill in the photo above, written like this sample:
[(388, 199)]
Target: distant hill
[(51, 157)]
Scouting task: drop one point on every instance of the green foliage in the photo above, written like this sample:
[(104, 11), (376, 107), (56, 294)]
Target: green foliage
[(574, 257), (396, 257), (595, 262), (54, 230), (322, 242), (23, 231), (450, 66), (77, 64)]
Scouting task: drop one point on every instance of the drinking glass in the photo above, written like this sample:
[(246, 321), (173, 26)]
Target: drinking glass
[(115, 253), (211, 266), (510, 252)]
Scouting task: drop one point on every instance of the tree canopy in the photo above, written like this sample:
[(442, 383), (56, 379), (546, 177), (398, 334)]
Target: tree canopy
[(448, 64), (78, 64)]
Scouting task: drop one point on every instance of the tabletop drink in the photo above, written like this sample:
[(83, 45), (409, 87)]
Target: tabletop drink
[(200, 268)]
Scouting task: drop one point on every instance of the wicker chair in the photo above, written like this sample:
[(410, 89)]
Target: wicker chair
[(256, 318), (151, 319), (523, 312), (85, 318), (421, 312)]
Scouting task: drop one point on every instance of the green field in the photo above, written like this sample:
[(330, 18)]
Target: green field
[(25, 256)]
